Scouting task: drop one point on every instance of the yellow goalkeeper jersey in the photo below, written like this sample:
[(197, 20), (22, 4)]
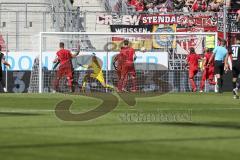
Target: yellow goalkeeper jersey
[(97, 70)]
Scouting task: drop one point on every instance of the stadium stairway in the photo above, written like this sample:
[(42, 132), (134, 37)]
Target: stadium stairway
[(23, 27), (90, 9), (42, 15), (21, 33)]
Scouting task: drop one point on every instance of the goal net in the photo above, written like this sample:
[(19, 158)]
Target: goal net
[(160, 64)]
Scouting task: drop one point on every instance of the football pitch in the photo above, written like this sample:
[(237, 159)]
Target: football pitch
[(182, 126)]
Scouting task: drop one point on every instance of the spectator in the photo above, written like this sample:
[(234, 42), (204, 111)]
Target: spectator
[(189, 3), (140, 6), (178, 4), (215, 5), (161, 8), (238, 19), (156, 6), (132, 2), (238, 16), (151, 6), (137, 4), (199, 5)]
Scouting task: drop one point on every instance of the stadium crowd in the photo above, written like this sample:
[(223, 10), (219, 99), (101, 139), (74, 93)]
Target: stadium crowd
[(176, 5)]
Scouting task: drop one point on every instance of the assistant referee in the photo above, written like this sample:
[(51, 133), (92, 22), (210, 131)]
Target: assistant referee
[(221, 59)]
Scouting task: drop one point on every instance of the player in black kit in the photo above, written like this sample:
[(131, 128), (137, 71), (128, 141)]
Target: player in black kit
[(2, 60), (235, 67)]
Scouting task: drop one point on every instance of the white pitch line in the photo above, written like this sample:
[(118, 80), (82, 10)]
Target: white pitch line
[(157, 109), (25, 111)]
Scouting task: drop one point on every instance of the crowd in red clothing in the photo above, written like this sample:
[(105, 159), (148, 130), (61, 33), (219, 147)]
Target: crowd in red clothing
[(176, 5), (137, 4), (151, 5)]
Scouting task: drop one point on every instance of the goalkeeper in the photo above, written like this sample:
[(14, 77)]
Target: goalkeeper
[(96, 73), (64, 58)]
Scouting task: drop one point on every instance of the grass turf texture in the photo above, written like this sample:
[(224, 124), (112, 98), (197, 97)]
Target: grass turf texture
[(29, 129)]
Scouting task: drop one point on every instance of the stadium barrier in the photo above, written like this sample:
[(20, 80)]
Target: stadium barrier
[(19, 81)]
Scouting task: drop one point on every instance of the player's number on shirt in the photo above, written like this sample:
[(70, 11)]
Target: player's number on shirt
[(235, 51)]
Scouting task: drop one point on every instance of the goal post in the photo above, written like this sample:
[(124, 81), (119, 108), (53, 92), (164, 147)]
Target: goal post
[(92, 41)]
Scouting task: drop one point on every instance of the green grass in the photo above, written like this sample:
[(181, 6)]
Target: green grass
[(29, 129)]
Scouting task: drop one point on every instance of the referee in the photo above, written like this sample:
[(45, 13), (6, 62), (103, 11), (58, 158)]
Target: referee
[(2, 59), (221, 59)]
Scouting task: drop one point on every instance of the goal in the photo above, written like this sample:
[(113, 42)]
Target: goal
[(160, 63)]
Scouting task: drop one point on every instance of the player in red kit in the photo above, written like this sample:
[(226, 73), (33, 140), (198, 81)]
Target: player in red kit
[(192, 60), (118, 64), (128, 57), (208, 72), (64, 57)]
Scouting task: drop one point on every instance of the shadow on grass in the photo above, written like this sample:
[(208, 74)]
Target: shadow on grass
[(120, 142), (11, 114), (220, 125), (223, 125)]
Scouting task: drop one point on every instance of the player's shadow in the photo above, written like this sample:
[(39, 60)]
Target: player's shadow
[(11, 114), (223, 125)]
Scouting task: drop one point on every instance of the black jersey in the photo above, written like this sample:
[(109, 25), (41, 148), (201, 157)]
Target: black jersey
[(1, 58), (236, 53)]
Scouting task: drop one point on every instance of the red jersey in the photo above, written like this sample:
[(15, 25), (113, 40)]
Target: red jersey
[(133, 2), (139, 6), (192, 60), (199, 5), (207, 57), (64, 56), (127, 54), (119, 61)]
